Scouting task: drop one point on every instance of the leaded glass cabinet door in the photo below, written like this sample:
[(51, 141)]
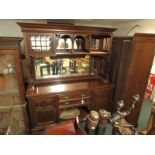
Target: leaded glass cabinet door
[(12, 101), (40, 44)]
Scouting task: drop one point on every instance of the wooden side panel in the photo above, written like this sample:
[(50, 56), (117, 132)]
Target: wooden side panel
[(121, 52)]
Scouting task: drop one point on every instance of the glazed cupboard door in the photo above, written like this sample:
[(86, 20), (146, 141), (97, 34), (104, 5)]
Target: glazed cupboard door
[(11, 92), (40, 44), (12, 101)]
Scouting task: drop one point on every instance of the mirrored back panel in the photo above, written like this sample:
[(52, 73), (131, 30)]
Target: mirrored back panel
[(61, 67)]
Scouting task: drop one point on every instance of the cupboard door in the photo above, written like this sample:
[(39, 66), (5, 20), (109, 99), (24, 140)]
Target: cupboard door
[(12, 99), (141, 59), (40, 44), (43, 110), (45, 115), (10, 94)]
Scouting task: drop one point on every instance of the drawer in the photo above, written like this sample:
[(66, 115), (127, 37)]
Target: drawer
[(41, 98), (43, 101), (74, 95), (100, 93), (78, 101)]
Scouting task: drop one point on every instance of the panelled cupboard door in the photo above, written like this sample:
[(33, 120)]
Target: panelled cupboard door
[(142, 54), (121, 49)]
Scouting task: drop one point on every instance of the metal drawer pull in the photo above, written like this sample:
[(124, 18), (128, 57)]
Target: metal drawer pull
[(66, 103), (82, 99)]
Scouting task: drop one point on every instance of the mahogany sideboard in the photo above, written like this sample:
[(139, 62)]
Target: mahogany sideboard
[(68, 66), (46, 102)]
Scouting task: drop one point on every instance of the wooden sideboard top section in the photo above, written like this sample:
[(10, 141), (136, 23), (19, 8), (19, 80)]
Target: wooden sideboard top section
[(144, 37), (10, 42), (137, 36), (35, 27), (67, 87)]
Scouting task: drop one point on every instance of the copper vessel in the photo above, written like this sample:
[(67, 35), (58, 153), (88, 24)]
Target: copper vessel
[(92, 120), (103, 118)]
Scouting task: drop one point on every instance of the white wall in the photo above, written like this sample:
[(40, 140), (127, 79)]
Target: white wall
[(92, 22), (9, 28), (143, 26)]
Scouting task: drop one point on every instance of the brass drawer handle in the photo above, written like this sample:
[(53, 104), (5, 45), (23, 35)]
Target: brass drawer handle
[(66, 103), (66, 97), (82, 99)]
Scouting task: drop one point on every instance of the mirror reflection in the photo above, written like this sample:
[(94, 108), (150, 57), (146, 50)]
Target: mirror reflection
[(64, 42), (61, 67), (79, 43)]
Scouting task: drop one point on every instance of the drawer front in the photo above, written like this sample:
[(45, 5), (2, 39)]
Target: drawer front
[(75, 98), (102, 103), (73, 95), (44, 101), (76, 101), (100, 93)]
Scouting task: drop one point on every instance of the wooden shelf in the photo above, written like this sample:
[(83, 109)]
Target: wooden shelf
[(100, 53), (67, 54), (74, 54), (41, 54)]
